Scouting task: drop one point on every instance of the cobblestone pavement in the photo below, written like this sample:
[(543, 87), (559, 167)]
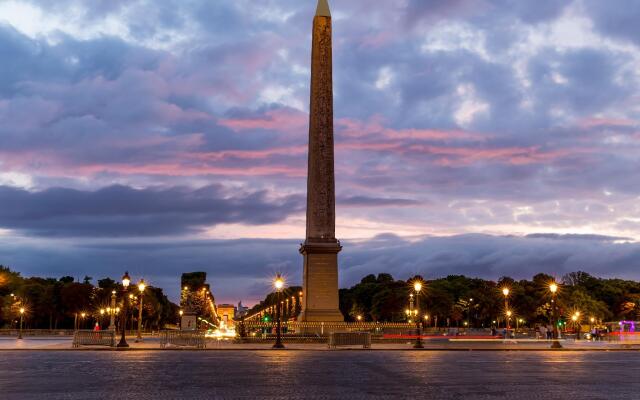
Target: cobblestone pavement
[(319, 375), (149, 342)]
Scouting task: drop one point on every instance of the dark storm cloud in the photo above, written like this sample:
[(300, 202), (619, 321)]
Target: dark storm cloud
[(486, 11), (597, 238), (364, 201), (618, 20), (584, 80), (120, 211), (493, 256), (242, 269)]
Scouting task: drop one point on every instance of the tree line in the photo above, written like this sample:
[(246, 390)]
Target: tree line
[(51, 303), (456, 299)]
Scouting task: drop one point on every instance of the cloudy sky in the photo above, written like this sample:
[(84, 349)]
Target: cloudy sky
[(485, 137)]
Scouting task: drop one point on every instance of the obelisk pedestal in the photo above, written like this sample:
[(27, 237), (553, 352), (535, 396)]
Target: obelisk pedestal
[(320, 249)]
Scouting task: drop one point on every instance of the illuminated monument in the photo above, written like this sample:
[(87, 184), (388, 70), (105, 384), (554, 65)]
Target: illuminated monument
[(320, 249)]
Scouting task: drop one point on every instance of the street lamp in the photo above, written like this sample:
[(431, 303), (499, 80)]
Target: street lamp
[(417, 286), (505, 292), (126, 280), (469, 306), (576, 323), (141, 286), (555, 344), (21, 316), (279, 285), (112, 312)]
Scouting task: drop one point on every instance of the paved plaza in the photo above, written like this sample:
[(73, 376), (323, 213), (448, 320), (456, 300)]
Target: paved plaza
[(153, 343), (318, 375)]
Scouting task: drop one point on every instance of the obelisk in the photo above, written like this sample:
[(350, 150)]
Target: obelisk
[(320, 249)]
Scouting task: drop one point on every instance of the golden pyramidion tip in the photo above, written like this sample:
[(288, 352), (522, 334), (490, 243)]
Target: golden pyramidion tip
[(323, 9)]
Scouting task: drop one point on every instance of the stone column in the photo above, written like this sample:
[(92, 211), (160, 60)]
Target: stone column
[(320, 249)]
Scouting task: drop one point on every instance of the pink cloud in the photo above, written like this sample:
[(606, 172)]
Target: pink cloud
[(375, 127), (249, 154), (177, 169), (606, 122), (287, 120)]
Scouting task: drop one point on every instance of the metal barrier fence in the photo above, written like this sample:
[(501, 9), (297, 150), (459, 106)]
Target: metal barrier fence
[(94, 338), (337, 339), (182, 339), (326, 328)]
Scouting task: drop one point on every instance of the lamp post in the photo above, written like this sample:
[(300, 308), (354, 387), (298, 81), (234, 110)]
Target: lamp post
[(505, 292), (410, 303), (82, 316), (126, 280), (112, 312), (141, 286), (417, 286), (278, 284), (576, 323), (555, 344), (469, 307), (518, 322), (21, 317)]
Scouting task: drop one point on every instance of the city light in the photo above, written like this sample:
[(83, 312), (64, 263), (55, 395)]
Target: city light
[(505, 292), (142, 285), (553, 287), (126, 280), (417, 286), (279, 282)]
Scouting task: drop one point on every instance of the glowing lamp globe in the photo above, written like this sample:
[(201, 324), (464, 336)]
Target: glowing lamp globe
[(126, 280)]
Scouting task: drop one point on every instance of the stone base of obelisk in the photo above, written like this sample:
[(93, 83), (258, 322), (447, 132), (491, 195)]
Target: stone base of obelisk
[(320, 282)]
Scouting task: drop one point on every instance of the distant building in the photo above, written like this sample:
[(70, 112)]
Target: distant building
[(241, 311), (226, 313)]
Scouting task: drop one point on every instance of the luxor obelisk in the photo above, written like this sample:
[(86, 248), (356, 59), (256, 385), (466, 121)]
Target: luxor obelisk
[(320, 249)]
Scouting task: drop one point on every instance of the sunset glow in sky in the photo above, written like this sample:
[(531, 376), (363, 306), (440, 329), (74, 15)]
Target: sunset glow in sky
[(485, 137)]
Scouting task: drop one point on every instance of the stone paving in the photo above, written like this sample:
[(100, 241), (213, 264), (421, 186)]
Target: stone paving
[(153, 343), (51, 375)]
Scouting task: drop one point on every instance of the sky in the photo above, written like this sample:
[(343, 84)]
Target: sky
[(484, 137)]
